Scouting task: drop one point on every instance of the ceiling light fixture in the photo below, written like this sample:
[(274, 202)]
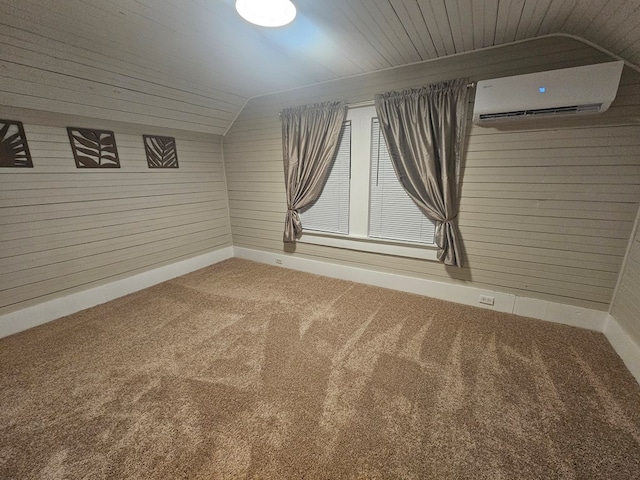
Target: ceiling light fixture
[(267, 13)]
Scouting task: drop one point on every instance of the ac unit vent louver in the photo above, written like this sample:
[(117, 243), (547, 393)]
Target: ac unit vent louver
[(585, 90), (544, 112)]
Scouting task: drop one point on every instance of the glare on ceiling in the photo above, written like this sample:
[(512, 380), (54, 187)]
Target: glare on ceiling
[(267, 13)]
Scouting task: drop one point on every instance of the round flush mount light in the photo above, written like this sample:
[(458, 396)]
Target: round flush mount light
[(267, 13)]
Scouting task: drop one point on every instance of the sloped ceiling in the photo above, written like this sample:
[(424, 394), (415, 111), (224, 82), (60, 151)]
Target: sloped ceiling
[(192, 64)]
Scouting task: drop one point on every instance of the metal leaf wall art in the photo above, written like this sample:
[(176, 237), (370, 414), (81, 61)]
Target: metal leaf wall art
[(14, 151), (161, 151), (94, 148)]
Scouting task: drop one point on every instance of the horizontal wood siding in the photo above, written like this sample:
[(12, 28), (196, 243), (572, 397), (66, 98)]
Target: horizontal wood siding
[(49, 68), (175, 62), (626, 304), (546, 209), (64, 229)]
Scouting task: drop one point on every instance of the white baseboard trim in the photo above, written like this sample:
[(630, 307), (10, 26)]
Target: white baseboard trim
[(624, 345), (560, 313), (29, 317), (504, 302)]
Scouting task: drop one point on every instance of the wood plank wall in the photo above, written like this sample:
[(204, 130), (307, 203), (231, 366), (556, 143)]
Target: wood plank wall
[(626, 304), (64, 229), (39, 72), (546, 209)]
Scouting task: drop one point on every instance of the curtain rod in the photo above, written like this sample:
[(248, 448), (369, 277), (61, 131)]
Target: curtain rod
[(369, 103)]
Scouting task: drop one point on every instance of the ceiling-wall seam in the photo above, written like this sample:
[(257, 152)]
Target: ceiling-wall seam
[(516, 42)]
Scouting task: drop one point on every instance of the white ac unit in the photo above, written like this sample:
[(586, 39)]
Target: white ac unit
[(569, 91)]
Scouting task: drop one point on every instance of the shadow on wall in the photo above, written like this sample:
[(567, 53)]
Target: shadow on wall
[(463, 274)]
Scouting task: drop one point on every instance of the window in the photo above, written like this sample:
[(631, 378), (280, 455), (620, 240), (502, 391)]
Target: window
[(363, 205), (387, 198)]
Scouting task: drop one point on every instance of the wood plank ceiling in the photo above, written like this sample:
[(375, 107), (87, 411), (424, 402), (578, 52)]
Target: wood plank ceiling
[(192, 64)]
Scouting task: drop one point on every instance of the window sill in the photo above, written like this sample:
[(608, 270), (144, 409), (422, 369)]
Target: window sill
[(365, 244)]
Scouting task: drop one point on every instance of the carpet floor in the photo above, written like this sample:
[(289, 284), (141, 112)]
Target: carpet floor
[(244, 370)]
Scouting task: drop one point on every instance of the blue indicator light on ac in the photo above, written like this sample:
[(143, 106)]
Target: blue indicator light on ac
[(542, 89)]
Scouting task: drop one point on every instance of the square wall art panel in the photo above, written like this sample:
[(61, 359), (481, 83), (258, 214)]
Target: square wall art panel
[(93, 148), (161, 151), (14, 151)]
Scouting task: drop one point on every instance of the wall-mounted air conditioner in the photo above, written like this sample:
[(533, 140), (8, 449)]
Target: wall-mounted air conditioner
[(570, 91)]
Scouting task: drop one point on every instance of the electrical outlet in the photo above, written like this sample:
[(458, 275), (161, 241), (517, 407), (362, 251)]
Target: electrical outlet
[(487, 300), (278, 261)]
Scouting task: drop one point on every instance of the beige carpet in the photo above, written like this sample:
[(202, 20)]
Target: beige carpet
[(243, 370)]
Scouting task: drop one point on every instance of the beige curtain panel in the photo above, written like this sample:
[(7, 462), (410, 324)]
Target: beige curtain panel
[(424, 130), (310, 137)]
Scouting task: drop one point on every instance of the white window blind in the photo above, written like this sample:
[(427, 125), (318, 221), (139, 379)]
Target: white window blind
[(330, 213), (392, 213)]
